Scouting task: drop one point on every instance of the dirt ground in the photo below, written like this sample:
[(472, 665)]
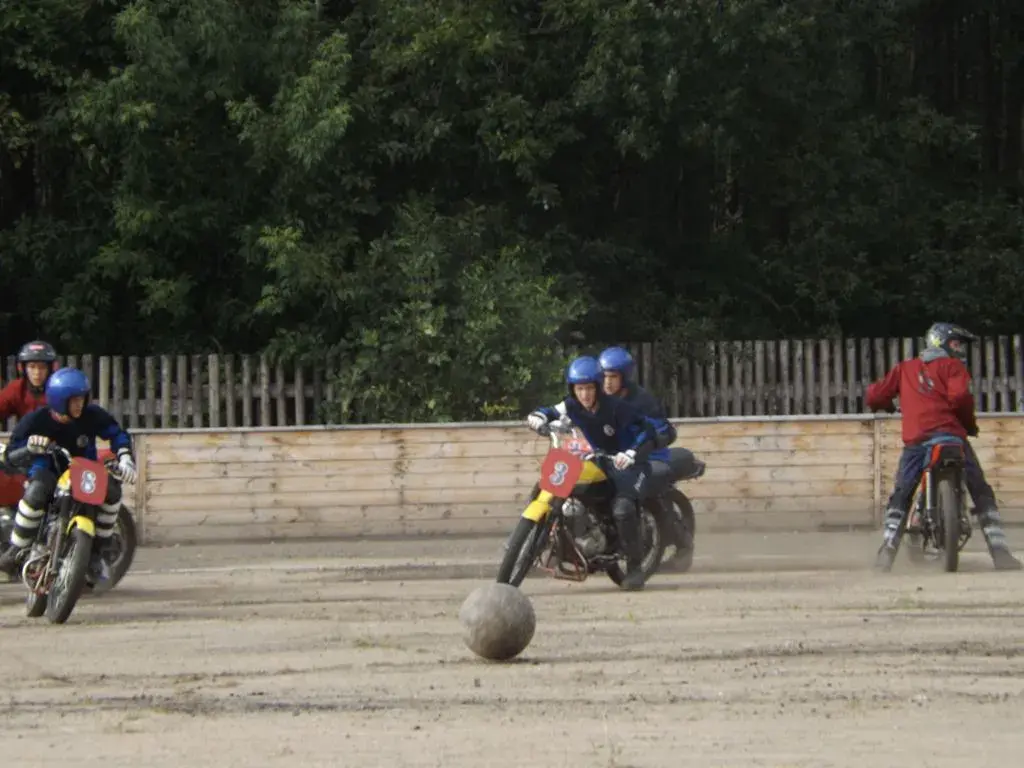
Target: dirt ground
[(780, 650)]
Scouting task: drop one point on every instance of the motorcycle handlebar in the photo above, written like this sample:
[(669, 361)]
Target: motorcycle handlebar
[(110, 463)]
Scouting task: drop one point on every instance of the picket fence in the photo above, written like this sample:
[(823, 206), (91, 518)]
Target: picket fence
[(718, 378)]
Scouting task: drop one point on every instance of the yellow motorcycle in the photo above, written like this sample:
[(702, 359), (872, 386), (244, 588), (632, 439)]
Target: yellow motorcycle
[(567, 529), (57, 566)]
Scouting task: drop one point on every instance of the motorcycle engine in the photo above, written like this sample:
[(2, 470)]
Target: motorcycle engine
[(585, 528)]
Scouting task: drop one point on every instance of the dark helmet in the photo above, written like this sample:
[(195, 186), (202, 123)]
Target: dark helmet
[(64, 385), (618, 360), (36, 352), (940, 335), (584, 370)]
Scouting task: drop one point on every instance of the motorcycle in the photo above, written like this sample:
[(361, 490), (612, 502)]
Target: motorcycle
[(56, 569), (567, 529), (120, 553), (939, 520)]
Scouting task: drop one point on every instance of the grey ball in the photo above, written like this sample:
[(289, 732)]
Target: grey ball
[(497, 621)]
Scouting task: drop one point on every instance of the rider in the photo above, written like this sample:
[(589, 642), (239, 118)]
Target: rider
[(667, 464), (935, 400), (73, 423), (36, 361), (613, 426)]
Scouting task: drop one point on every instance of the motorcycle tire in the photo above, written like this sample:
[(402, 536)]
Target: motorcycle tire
[(684, 526), (35, 605), (949, 512), (62, 602), (128, 533), (523, 549), (661, 530)]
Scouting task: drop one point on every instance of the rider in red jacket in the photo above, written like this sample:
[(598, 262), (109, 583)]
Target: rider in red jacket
[(36, 361), (935, 399)]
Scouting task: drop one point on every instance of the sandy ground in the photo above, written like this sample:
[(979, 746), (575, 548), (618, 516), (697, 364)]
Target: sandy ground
[(775, 651)]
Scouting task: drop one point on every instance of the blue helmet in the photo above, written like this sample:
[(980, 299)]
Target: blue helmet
[(64, 385), (583, 370), (618, 360)]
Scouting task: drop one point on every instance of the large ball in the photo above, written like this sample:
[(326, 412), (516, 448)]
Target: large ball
[(497, 621)]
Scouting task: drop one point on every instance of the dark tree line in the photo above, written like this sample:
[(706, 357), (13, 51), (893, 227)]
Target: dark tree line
[(435, 189)]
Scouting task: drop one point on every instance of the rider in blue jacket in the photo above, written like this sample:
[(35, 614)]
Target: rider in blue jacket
[(668, 465), (72, 422), (614, 427)]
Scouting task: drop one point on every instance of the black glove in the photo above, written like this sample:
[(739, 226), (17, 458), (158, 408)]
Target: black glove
[(972, 431)]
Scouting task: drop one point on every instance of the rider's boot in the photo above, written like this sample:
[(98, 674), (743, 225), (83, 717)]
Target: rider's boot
[(10, 560), (627, 522), (890, 541), (995, 539), (99, 570)]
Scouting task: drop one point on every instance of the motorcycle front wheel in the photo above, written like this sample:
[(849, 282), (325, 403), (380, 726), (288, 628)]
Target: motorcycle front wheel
[(523, 549)]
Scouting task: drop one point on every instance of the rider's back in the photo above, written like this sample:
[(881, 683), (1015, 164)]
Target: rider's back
[(934, 393)]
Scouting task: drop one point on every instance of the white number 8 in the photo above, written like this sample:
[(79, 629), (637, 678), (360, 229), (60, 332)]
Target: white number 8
[(557, 477)]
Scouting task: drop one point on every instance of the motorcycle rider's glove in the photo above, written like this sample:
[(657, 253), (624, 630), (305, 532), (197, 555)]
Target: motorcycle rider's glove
[(538, 422), (37, 444), (624, 459), (126, 466)]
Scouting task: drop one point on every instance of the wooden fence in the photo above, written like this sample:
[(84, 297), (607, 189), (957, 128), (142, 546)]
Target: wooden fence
[(787, 377), (765, 473)]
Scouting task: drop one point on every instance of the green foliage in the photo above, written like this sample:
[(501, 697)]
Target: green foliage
[(430, 190)]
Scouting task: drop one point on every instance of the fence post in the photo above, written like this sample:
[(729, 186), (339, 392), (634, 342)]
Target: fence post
[(141, 446), (213, 394), (877, 514)]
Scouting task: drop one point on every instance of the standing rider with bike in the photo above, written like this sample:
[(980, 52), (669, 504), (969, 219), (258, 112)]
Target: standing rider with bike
[(668, 465), (73, 423), (614, 427), (935, 400)]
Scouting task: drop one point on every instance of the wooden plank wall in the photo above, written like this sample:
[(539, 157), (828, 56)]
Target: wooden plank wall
[(763, 473), (473, 479)]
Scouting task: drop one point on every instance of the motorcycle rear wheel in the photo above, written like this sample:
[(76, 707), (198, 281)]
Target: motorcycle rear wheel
[(686, 520), (654, 529), (127, 534), (949, 512)]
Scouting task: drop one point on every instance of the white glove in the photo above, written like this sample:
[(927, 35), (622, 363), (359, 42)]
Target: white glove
[(624, 459), (126, 468), (536, 421), (38, 444)]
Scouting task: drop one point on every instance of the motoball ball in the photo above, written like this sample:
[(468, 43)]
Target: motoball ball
[(497, 621)]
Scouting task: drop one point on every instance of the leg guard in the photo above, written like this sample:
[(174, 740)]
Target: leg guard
[(627, 522), (890, 540), (106, 518), (995, 538), (32, 508)]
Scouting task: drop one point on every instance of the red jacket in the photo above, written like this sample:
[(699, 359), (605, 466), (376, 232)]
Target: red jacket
[(934, 395), (17, 400)]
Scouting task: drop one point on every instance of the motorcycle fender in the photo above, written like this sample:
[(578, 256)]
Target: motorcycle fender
[(82, 523), (591, 474), (64, 483), (539, 508)]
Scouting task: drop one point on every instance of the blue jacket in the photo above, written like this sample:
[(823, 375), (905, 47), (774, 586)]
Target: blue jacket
[(615, 426), (651, 407), (77, 437)]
